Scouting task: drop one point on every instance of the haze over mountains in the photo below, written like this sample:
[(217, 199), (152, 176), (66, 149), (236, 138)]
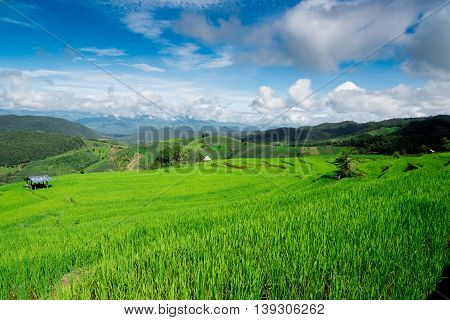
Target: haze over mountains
[(382, 137), (126, 128)]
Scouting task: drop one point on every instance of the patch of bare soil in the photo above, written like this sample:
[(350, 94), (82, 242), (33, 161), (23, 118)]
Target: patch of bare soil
[(112, 152), (134, 162), (66, 280)]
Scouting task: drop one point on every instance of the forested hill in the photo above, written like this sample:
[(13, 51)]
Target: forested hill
[(324, 131), (295, 136), (410, 135), (45, 124), (22, 147)]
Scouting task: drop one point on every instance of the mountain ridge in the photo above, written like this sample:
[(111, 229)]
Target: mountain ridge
[(13, 122)]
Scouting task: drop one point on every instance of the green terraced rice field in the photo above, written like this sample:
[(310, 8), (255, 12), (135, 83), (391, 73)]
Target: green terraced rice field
[(279, 228)]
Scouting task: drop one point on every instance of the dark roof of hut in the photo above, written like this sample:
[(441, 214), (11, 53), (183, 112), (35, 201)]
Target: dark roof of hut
[(38, 179)]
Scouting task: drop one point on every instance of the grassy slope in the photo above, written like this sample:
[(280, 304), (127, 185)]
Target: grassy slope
[(4, 170), (383, 130), (94, 157), (217, 147), (223, 232), (221, 147), (69, 162)]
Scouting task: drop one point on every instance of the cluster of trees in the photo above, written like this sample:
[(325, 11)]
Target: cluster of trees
[(416, 137), (389, 144), (175, 155), (380, 144), (445, 144), (23, 147), (345, 165)]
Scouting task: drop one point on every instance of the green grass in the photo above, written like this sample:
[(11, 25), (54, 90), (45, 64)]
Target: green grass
[(277, 228), (330, 150), (220, 147), (4, 170), (181, 141), (383, 131), (70, 162), (94, 157), (7, 174), (100, 166)]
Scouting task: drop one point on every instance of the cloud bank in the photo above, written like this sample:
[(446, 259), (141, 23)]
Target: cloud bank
[(61, 90), (350, 102)]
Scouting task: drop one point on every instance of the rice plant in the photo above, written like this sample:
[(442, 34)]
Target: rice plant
[(230, 229)]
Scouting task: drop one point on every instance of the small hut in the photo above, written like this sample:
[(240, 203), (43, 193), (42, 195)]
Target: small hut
[(35, 182), (206, 158)]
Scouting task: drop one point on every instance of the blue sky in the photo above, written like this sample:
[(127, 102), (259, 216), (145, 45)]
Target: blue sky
[(227, 60)]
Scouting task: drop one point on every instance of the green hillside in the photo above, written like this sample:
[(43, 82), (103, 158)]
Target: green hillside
[(383, 131), (408, 135), (216, 147), (71, 162), (93, 156), (220, 147), (278, 228), (414, 137), (22, 147), (297, 136), (45, 124), (28, 138)]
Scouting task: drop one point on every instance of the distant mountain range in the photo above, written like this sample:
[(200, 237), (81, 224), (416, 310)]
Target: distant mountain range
[(410, 135), (127, 128), (68, 115)]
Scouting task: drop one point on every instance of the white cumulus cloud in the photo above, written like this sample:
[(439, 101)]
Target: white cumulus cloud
[(348, 101), (300, 93), (95, 92)]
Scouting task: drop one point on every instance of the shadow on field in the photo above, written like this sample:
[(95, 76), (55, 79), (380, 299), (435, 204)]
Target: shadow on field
[(38, 186), (330, 176), (442, 291)]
